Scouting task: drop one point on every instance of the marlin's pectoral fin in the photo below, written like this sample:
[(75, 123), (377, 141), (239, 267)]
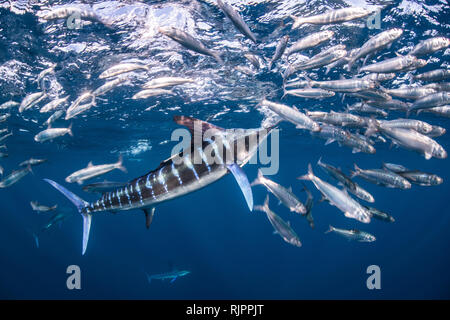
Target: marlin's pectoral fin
[(243, 183), (173, 280), (149, 217)]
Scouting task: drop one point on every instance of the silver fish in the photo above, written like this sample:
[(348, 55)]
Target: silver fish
[(397, 168), (32, 162), (397, 64), (120, 68), (411, 139), (376, 43), (382, 177), (40, 208), (310, 93), (433, 75), (371, 94), (310, 41), (337, 118), (4, 117), (429, 46), (52, 133), (341, 199), (436, 131), (363, 108), (31, 100), (422, 178), (189, 42), (410, 92), (92, 171), (380, 215), (392, 104), (433, 100), (292, 115), (284, 195), (143, 94), (353, 234), (8, 104), (166, 82), (14, 177), (321, 60), (2, 138), (308, 205), (55, 116), (379, 77), (418, 125), (281, 47), (236, 19), (350, 185), (344, 85), (52, 105), (254, 60), (443, 111), (108, 86), (281, 227), (333, 16), (80, 105)]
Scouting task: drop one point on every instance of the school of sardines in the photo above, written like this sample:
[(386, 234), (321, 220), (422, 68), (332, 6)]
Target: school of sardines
[(359, 126)]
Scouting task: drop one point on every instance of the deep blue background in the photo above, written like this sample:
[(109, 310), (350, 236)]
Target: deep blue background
[(231, 252)]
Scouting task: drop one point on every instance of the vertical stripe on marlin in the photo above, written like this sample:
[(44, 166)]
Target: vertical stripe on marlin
[(138, 189), (187, 161), (162, 180), (128, 196), (148, 185), (118, 198), (176, 174), (204, 158)]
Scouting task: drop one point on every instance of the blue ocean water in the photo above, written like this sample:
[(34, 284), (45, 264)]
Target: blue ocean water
[(230, 252)]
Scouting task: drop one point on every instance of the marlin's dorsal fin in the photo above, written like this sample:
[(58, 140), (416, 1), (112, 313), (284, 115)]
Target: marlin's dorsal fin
[(194, 125), (90, 164)]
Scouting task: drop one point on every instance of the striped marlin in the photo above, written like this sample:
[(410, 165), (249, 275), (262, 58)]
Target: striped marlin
[(175, 177)]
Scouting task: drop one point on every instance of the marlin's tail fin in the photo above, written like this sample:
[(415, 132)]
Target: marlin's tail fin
[(80, 204)]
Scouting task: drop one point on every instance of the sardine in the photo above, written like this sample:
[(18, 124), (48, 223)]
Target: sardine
[(189, 42), (333, 16), (281, 227), (284, 195), (341, 199), (92, 171)]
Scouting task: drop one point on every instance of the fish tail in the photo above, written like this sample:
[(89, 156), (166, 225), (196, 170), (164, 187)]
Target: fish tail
[(119, 164), (149, 277), (265, 206), (70, 130), (330, 229), (216, 56), (297, 21), (258, 179), (356, 172), (36, 240), (309, 175), (81, 205)]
